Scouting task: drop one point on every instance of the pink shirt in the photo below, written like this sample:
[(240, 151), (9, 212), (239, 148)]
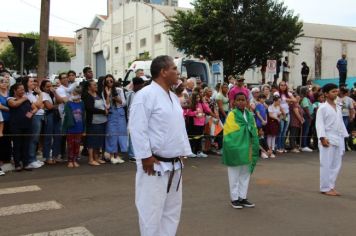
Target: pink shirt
[(235, 90), (199, 113)]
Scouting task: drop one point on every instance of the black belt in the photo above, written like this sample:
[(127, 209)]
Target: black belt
[(172, 160)]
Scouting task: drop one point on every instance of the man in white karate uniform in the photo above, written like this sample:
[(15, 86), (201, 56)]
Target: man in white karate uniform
[(159, 140), (331, 133)]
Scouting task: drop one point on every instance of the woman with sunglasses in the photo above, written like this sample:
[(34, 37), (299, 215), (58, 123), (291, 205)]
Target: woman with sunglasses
[(116, 128)]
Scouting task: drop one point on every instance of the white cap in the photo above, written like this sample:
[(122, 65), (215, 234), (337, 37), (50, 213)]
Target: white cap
[(145, 78)]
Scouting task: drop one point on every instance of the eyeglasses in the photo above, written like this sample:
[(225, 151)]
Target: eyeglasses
[(4, 82), (110, 81)]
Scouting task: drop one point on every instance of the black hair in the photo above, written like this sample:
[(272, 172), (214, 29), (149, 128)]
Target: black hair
[(275, 98), (24, 82), (159, 63), (239, 94), (261, 96), (61, 75), (43, 84), (344, 90), (13, 88), (328, 87), (86, 69), (104, 83), (71, 72)]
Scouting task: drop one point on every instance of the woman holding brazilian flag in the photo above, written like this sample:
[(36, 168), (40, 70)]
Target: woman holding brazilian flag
[(240, 150)]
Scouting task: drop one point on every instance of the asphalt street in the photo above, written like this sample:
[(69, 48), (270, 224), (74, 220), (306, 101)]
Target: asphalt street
[(100, 200)]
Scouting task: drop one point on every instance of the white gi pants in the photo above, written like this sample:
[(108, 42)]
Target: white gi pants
[(239, 178), (158, 211), (330, 164)]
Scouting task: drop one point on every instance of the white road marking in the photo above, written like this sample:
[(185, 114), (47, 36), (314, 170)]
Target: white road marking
[(27, 208), (30, 188), (74, 231)]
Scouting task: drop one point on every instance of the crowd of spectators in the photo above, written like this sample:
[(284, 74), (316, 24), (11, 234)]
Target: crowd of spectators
[(62, 120)]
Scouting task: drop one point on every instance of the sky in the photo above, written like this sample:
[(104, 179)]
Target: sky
[(69, 15)]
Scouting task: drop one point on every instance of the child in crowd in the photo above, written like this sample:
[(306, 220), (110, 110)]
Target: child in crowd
[(296, 123), (198, 111), (274, 116), (265, 151), (74, 125), (240, 150), (308, 118), (261, 112)]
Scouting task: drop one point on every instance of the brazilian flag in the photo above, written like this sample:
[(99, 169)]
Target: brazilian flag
[(241, 144)]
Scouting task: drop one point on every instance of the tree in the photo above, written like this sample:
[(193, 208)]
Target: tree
[(242, 33), (56, 52)]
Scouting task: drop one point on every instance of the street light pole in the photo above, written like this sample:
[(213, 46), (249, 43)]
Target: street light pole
[(44, 30)]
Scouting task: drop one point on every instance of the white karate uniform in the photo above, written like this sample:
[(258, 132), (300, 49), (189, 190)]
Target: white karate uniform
[(239, 179), (156, 126), (329, 124)]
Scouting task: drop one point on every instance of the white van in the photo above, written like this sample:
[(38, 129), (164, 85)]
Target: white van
[(188, 67)]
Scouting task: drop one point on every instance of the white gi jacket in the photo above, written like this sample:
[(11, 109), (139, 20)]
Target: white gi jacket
[(157, 126), (329, 124)]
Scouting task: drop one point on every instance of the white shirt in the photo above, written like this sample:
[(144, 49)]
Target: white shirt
[(156, 126), (32, 98), (329, 124), (284, 103), (275, 110), (64, 92), (47, 97)]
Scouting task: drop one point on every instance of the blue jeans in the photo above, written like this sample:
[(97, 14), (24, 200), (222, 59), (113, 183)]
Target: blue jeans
[(283, 128), (346, 122), (35, 136), (305, 133), (130, 148), (52, 139)]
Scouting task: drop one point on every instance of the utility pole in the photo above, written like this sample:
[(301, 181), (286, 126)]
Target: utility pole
[(44, 30)]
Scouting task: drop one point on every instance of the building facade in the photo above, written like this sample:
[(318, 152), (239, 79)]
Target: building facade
[(132, 30)]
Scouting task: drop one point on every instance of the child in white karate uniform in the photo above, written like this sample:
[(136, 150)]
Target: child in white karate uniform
[(331, 132)]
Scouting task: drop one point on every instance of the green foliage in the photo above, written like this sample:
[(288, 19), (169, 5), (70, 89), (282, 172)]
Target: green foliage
[(145, 56), (243, 33), (56, 52)]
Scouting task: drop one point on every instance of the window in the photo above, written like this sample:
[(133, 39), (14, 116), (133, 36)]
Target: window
[(157, 38), (128, 46), (116, 50), (143, 42)]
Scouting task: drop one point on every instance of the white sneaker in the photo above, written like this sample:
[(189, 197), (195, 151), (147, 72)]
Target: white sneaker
[(202, 154), (264, 155), (192, 155), (40, 162), (2, 172), (273, 156), (33, 165), (117, 160), (306, 149)]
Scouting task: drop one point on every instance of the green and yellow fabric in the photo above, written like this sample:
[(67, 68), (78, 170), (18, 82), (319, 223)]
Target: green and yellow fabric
[(241, 144)]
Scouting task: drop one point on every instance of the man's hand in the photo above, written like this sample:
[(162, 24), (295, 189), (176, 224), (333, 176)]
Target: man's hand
[(147, 165), (325, 142)]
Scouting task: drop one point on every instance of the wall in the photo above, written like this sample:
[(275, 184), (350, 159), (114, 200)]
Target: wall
[(129, 24)]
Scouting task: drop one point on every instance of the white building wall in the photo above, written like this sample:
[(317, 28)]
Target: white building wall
[(129, 24)]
